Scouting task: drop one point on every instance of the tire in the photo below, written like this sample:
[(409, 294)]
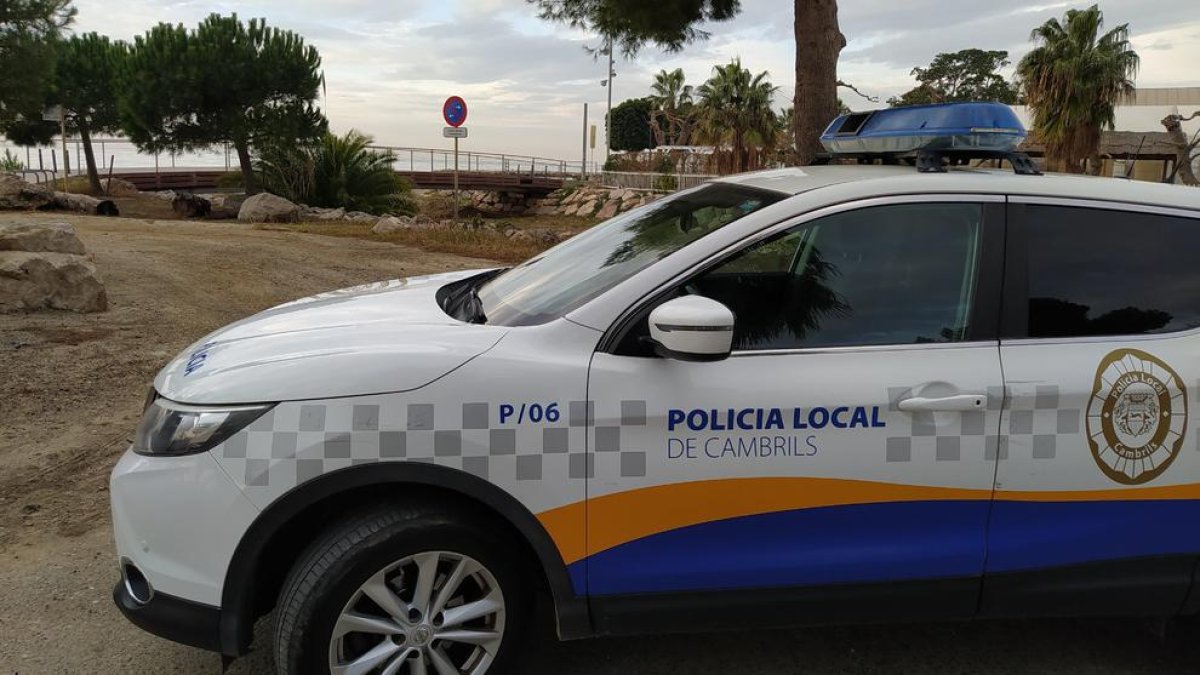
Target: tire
[(384, 553)]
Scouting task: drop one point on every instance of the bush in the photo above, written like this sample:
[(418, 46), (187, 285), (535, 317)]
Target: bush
[(231, 180), (439, 205), (665, 183), (340, 171), (618, 163), (10, 162)]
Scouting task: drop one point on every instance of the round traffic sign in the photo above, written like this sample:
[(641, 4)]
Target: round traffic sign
[(455, 111)]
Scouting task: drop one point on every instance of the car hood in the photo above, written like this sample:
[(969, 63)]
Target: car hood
[(386, 337)]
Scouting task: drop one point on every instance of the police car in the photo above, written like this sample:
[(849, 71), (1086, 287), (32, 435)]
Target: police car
[(830, 394)]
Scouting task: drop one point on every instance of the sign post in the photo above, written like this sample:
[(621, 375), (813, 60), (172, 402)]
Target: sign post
[(57, 114), (454, 111)]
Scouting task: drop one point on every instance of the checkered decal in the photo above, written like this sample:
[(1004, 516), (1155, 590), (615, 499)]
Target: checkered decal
[(921, 439), (298, 442), (1039, 417), (613, 455)]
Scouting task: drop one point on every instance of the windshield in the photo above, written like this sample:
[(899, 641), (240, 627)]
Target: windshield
[(586, 266)]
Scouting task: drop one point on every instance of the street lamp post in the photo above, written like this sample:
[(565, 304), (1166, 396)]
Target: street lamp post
[(608, 83)]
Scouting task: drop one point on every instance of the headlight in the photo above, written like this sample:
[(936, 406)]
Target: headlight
[(173, 429)]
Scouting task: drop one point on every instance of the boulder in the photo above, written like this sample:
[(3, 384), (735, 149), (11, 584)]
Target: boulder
[(39, 280), (165, 195), (118, 187), (503, 227), (223, 206), (191, 206), (610, 209), (47, 237), (268, 208), (18, 194), (360, 217), (318, 213), (392, 224), (587, 209)]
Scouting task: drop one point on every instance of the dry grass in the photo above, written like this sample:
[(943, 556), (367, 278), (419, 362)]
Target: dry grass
[(479, 243)]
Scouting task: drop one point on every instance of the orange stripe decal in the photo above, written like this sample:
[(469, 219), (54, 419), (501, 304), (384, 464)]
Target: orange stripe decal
[(586, 528)]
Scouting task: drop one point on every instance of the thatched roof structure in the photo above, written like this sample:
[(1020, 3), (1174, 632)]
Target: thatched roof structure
[(1152, 145)]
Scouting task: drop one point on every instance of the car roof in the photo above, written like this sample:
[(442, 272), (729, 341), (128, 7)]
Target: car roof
[(888, 180)]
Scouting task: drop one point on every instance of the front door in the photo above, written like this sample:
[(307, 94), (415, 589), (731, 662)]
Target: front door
[(851, 438), (1098, 487)]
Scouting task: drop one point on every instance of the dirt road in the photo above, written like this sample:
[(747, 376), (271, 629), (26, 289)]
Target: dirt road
[(72, 388)]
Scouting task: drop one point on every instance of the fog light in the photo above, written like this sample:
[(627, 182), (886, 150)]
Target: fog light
[(136, 584)]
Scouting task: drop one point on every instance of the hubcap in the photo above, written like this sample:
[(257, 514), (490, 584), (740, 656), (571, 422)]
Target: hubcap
[(434, 613)]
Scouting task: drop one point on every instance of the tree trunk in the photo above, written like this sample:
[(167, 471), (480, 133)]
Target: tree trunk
[(1183, 149), (819, 43), (243, 153), (84, 204), (85, 135)]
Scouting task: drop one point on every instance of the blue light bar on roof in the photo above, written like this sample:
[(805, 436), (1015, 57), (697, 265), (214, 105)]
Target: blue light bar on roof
[(944, 127)]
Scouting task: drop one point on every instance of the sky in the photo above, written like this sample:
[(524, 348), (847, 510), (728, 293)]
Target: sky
[(389, 64)]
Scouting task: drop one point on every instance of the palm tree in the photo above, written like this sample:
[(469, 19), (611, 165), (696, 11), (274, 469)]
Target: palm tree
[(1073, 80), (735, 111), (339, 171), (672, 101)]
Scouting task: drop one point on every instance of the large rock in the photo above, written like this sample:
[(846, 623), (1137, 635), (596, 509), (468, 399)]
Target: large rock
[(318, 213), (18, 194), (118, 187), (37, 280), (188, 205), (360, 217), (42, 237), (223, 206), (610, 209), (268, 208), (392, 224), (587, 209)]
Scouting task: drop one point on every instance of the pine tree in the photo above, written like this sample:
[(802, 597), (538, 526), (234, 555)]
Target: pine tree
[(225, 82)]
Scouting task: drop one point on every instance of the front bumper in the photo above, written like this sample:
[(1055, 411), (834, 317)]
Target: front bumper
[(177, 521), (190, 623)]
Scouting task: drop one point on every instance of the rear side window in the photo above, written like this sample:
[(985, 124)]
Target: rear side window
[(1095, 273)]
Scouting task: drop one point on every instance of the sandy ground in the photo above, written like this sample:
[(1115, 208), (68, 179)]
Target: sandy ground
[(71, 389)]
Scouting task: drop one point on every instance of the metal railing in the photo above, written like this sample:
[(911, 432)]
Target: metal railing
[(120, 155), (439, 159), (662, 182)]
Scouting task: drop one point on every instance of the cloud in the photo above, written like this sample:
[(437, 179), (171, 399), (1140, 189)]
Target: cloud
[(390, 64)]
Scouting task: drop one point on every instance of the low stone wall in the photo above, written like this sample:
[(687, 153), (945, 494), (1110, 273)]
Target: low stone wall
[(583, 201)]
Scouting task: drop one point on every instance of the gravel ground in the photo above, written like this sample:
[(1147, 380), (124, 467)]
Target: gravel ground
[(73, 387)]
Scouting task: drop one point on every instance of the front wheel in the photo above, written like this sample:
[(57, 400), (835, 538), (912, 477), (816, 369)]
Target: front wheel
[(403, 591)]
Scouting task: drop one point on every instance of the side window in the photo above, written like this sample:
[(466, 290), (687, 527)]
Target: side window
[(1094, 272), (888, 275)]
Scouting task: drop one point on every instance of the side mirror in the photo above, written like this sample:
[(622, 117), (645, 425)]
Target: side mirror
[(692, 328)]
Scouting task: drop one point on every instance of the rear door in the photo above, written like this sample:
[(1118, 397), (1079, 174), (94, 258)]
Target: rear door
[(1098, 485), (845, 452)]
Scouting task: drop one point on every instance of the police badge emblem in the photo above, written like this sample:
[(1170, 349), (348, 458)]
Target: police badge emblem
[(1137, 416)]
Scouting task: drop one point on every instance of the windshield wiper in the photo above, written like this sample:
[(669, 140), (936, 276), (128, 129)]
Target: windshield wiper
[(470, 307)]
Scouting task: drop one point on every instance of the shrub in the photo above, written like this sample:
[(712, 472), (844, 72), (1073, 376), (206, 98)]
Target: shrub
[(10, 162), (340, 171), (665, 183), (231, 180)]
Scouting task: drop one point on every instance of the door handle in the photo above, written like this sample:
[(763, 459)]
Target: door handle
[(963, 403)]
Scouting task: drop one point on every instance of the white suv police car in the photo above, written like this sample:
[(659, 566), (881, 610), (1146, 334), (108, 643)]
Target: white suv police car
[(842, 393)]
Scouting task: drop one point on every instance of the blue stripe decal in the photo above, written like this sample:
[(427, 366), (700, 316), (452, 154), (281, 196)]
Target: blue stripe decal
[(890, 542), (831, 545), (1033, 535)]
